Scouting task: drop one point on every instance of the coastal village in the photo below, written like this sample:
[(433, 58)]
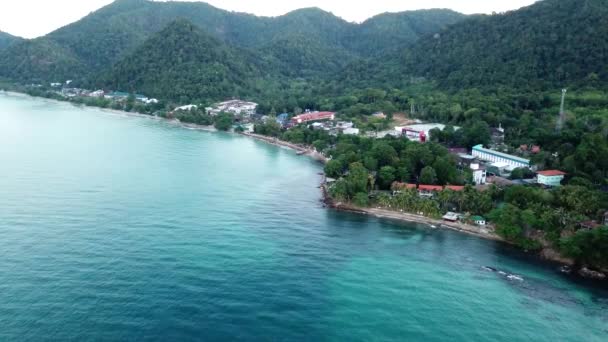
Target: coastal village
[(486, 166)]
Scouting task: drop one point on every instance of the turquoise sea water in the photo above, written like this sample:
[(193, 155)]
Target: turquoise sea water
[(125, 228)]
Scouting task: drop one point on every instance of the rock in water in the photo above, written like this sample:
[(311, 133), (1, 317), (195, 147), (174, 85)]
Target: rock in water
[(591, 274)]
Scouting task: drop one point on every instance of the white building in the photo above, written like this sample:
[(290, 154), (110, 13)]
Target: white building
[(186, 108), (351, 131), (420, 132), (236, 107), (550, 177), (479, 174), (97, 93), (498, 157), (344, 125)]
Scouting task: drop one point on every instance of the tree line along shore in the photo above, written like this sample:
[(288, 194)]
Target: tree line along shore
[(537, 220)]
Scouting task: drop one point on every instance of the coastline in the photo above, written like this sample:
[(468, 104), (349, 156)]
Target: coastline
[(480, 232), (301, 150), (118, 112), (545, 254)]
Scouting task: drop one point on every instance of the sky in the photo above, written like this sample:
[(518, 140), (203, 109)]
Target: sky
[(33, 18)]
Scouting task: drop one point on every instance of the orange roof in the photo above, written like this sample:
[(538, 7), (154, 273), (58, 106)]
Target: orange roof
[(550, 173), (455, 187), (405, 185), (312, 116), (430, 187)]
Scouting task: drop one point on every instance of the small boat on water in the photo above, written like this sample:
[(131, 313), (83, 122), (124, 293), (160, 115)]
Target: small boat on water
[(301, 153)]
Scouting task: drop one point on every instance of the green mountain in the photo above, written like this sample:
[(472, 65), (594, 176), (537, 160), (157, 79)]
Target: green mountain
[(38, 61), (183, 62), (553, 43), (393, 31), (303, 43), (7, 40)]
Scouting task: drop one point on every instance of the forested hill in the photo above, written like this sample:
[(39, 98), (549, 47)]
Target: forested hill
[(308, 40), (553, 43), (7, 39), (389, 32), (183, 63)]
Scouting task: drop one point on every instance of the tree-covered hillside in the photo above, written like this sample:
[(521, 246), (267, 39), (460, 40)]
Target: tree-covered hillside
[(185, 64), (393, 31), (7, 40), (302, 43), (40, 60), (553, 43)]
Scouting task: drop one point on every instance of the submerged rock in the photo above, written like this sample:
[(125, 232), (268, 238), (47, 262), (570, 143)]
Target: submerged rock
[(591, 274)]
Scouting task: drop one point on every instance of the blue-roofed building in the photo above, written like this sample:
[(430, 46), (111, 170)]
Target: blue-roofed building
[(116, 95), (283, 119), (498, 157)]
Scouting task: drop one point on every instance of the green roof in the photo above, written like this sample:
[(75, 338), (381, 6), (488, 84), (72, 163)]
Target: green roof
[(477, 218)]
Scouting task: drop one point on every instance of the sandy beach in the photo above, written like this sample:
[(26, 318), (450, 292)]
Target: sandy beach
[(307, 151)]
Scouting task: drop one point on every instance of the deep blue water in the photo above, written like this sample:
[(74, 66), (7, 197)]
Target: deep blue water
[(125, 228)]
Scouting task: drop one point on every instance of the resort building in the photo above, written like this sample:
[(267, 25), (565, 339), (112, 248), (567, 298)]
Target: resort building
[(550, 177), (498, 157), (420, 132), (478, 220), (479, 174), (313, 116), (186, 108), (451, 217), (282, 119), (425, 190), (342, 125), (454, 187), (351, 131), (429, 190), (97, 93), (236, 107)]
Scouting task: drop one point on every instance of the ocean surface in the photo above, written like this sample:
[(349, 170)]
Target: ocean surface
[(121, 228)]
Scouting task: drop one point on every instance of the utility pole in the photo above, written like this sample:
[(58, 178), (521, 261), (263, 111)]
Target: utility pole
[(562, 112)]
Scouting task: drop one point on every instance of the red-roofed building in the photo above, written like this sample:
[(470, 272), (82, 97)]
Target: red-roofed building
[(313, 116), (455, 187), (402, 186), (550, 177), (414, 135), (429, 190), (535, 149)]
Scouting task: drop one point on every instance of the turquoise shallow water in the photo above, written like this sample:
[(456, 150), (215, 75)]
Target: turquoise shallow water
[(126, 228)]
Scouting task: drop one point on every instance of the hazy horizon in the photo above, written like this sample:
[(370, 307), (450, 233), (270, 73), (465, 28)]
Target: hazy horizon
[(31, 19)]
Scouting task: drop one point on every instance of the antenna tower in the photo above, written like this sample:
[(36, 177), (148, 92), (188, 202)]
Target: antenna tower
[(562, 112)]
